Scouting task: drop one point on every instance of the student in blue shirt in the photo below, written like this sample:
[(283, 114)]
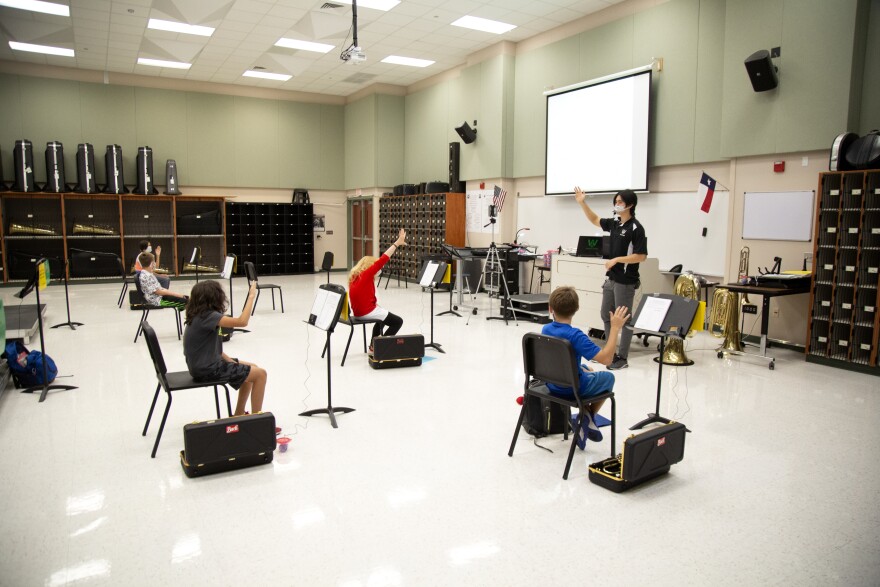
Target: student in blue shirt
[(563, 305)]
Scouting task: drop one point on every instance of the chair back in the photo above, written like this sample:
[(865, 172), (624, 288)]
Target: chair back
[(250, 271), (137, 282), (551, 360), (155, 352), (327, 263)]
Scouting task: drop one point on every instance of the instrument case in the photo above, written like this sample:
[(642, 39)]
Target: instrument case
[(201, 223), (390, 352), (227, 444), (645, 456)]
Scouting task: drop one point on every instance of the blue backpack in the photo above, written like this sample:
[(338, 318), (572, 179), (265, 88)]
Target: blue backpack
[(32, 372)]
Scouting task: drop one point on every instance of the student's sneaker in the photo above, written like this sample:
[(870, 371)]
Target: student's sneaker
[(592, 433), (618, 363)]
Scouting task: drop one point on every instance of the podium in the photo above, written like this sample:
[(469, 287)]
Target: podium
[(676, 322)]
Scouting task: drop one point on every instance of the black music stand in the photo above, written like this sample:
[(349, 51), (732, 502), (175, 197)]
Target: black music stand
[(325, 315), (677, 322), (32, 285), (229, 267), (430, 275), (70, 323)]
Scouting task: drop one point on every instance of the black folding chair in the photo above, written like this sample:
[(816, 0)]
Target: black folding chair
[(547, 359), (126, 281), (137, 301), (346, 317), (176, 381), (251, 273)]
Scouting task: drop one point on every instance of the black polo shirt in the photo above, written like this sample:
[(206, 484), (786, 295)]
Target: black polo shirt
[(626, 239)]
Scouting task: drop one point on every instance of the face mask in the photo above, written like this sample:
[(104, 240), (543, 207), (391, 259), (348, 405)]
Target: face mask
[(619, 208), (149, 249)]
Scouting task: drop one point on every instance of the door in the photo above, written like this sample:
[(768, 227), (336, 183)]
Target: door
[(361, 221)]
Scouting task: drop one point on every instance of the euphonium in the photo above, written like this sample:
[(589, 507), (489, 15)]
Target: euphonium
[(92, 229), (744, 271), (38, 229), (687, 286), (724, 319), (193, 268)]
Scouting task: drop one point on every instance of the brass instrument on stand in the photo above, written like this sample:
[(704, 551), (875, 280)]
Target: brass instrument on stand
[(93, 229), (687, 286), (743, 273), (32, 229), (724, 320)]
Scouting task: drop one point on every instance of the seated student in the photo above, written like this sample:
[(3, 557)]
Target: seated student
[(146, 247), (362, 291), (563, 305), (203, 347), (153, 291)]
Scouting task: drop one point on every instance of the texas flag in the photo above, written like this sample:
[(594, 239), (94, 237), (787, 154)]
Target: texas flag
[(707, 190)]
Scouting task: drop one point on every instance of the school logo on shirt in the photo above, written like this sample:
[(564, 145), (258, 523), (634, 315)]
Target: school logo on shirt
[(623, 232)]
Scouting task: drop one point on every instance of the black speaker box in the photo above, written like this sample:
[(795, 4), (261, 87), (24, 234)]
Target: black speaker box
[(761, 71), (454, 154)]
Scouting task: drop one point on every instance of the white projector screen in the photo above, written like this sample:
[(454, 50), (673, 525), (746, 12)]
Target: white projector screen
[(597, 136)]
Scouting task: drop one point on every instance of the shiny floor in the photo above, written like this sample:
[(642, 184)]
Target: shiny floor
[(779, 485)]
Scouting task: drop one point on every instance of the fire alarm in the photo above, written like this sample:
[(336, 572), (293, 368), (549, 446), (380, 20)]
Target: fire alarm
[(778, 166), (482, 185)]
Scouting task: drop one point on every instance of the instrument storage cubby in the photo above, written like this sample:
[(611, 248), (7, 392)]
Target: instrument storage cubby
[(277, 238), (844, 323)]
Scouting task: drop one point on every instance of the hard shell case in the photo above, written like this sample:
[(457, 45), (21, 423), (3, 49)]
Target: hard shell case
[(645, 456), (227, 444)]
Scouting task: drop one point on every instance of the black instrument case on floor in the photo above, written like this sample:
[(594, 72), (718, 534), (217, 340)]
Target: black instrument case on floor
[(230, 443), (404, 350), (645, 456)]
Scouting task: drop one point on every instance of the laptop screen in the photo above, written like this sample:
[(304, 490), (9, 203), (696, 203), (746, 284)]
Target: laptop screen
[(589, 246)]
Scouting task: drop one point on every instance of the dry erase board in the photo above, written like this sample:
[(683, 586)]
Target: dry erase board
[(672, 220), (778, 216)]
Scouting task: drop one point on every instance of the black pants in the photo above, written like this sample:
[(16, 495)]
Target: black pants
[(392, 324)]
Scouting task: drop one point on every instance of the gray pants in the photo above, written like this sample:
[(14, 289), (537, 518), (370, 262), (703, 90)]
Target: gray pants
[(613, 295)]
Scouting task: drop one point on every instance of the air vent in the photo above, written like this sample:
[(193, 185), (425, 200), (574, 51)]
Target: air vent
[(330, 6), (359, 78), (258, 68)]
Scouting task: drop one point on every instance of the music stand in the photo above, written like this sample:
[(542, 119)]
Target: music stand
[(228, 271), (676, 322), (430, 275), (33, 285), (325, 315), (70, 323)]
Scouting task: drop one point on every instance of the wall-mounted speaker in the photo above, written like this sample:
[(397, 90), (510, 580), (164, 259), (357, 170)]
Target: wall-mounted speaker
[(761, 70), (467, 134), (454, 154)]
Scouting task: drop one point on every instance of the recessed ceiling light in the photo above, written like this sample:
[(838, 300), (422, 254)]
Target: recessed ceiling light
[(281, 77), (304, 45), (385, 5), (38, 6), (411, 61), (46, 49), (484, 24), (162, 63), (179, 27)]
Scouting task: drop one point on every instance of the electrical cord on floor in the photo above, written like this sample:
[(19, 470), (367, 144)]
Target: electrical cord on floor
[(297, 426)]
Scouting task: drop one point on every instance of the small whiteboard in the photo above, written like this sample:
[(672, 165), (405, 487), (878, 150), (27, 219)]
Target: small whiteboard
[(778, 216)]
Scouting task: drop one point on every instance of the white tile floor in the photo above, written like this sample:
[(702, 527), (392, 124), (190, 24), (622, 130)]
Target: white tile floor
[(779, 485)]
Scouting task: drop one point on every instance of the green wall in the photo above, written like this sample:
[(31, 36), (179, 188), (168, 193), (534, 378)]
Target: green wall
[(217, 140), (374, 141)]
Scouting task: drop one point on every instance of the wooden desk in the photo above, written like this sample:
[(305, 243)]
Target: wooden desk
[(766, 293)]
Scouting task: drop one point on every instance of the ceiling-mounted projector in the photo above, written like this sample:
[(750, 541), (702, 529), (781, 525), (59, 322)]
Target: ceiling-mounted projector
[(353, 54)]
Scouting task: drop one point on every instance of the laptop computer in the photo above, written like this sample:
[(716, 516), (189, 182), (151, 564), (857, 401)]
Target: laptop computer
[(589, 246)]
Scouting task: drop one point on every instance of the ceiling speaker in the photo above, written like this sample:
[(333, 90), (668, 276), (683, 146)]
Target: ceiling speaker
[(761, 71), (467, 134)]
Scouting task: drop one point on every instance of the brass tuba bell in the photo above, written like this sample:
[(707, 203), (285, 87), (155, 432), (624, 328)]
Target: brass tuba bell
[(724, 320), (687, 286)]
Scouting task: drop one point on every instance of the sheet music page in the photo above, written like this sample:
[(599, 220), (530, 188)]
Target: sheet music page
[(653, 313), (227, 268), (194, 255), (324, 308), (430, 272)]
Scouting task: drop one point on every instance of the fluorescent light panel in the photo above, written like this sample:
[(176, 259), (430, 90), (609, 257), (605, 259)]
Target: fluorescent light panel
[(304, 45), (38, 6), (45, 49), (282, 77), (161, 63), (411, 61), (484, 24), (179, 27), (385, 5)]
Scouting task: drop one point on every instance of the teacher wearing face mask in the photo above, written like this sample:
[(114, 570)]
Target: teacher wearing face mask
[(629, 247)]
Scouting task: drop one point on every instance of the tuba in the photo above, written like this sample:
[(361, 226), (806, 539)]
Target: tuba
[(743, 273), (194, 268), (687, 286), (724, 320), (93, 229)]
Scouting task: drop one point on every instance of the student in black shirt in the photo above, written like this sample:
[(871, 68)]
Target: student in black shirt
[(629, 247)]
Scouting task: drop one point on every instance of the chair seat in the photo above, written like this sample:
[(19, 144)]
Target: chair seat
[(183, 380), (543, 391)]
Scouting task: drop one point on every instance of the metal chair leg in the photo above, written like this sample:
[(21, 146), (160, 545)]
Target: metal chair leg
[(217, 402), (256, 299), (577, 426), (144, 315), (228, 402), (161, 427), (522, 415), (272, 291), (365, 338), (152, 405), (122, 295), (281, 298), (347, 344)]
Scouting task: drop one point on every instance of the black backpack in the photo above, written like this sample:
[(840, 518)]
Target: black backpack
[(543, 417)]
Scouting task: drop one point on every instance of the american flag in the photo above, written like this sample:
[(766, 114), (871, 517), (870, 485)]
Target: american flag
[(498, 199)]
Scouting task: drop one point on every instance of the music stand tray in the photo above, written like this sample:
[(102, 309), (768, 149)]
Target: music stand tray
[(676, 322)]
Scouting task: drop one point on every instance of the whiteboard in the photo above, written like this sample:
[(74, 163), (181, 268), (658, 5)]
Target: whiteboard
[(673, 223), (778, 216)]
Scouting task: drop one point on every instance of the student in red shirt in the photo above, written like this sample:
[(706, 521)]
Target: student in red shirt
[(362, 291)]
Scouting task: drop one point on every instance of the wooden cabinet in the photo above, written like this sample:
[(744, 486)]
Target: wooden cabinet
[(430, 220), (844, 322), (276, 238)]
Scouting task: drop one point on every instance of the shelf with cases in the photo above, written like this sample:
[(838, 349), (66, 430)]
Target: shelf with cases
[(844, 324)]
